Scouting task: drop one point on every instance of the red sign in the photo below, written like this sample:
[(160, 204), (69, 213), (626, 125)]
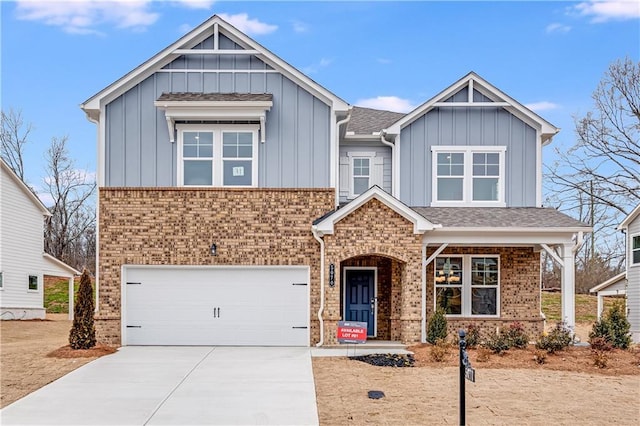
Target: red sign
[(352, 332)]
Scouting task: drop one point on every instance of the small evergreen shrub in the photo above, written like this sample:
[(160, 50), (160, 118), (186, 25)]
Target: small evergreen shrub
[(618, 325), (557, 339), (613, 327), (440, 351), (83, 332), (473, 336), (437, 326)]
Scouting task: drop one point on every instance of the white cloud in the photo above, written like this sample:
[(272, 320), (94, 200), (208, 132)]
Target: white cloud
[(314, 68), (300, 27), (557, 28), (194, 4), (387, 103), (83, 17), (249, 26), (609, 10), (542, 106)]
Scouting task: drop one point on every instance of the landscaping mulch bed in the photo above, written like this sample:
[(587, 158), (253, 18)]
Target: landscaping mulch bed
[(94, 352)]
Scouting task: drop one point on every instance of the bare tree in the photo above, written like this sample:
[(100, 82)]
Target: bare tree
[(14, 135), (70, 231), (598, 179)]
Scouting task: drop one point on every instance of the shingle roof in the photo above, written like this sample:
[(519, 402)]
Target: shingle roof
[(215, 97), (498, 217), (365, 121)]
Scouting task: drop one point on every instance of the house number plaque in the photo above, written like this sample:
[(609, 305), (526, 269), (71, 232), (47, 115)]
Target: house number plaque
[(332, 275)]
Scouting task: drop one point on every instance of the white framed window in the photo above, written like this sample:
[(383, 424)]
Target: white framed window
[(469, 175), (218, 155), (33, 284), (1, 281), (468, 285), (635, 249), (362, 172)]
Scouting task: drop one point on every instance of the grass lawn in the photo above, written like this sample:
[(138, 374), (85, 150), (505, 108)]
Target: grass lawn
[(586, 306), (56, 294)]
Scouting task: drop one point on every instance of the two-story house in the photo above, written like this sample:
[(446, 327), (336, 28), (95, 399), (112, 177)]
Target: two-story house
[(242, 203)]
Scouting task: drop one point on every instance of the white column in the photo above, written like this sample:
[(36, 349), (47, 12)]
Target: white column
[(600, 305), (568, 286)]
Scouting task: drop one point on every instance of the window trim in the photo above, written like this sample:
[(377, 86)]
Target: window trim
[(359, 155), (467, 178), (467, 286), (631, 250), (37, 277), (217, 160)]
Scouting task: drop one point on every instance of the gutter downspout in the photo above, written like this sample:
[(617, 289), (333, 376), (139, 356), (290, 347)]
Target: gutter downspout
[(393, 162), (97, 230), (321, 310), (337, 159)]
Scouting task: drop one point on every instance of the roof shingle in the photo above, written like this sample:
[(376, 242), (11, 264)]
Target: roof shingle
[(365, 121), (214, 97)]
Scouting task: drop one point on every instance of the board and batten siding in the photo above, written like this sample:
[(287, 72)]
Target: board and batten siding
[(633, 283), (478, 126), (297, 148), (382, 153), (21, 232)]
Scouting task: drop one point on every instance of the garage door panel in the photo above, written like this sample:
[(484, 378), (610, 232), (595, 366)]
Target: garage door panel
[(217, 306)]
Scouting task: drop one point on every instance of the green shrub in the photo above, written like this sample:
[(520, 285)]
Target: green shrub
[(613, 327), (83, 332), (516, 336), (437, 326), (557, 339), (497, 343), (473, 336)]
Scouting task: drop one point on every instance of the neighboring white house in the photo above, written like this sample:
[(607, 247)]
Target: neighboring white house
[(23, 262), (631, 227), (615, 286)]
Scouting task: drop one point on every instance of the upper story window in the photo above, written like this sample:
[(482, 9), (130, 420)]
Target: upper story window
[(361, 167), (216, 155), (472, 176), (635, 249)]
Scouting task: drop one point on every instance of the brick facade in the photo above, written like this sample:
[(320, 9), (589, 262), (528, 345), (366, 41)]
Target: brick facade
[(176, 226), (519, 289)]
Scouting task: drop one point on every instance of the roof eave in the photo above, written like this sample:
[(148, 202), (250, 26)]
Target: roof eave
[(627, 221)]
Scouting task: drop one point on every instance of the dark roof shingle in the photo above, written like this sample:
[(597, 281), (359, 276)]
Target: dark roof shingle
[(365, 121), (498, 217), (214, 97)]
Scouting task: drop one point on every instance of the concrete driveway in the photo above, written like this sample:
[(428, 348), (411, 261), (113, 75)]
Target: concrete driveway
[(178, 386)]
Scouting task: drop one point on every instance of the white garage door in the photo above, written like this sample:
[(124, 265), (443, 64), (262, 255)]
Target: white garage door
[(236, 306)]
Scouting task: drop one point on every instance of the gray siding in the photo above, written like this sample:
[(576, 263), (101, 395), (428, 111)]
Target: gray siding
[(380, 150), (467, 127), (633, 283), (296, 152)]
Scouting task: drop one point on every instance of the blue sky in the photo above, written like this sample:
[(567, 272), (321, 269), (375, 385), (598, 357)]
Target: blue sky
[(387, 55)]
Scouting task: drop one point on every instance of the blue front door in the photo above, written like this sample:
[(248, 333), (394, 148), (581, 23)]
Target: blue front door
[(360, 302)]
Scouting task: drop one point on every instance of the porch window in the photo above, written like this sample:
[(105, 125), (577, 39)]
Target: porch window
[(635, 250), (467, 285), (471, 176), (217, 155)]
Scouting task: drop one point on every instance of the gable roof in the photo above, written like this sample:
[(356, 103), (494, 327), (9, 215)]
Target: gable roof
[(627, 221), (54, 266), (208, 28), (23, 186), (325, 224), (609, 283), (490, 92)]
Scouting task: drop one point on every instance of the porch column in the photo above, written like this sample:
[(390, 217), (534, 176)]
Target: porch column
[(600, 305), (568, 286), (71, 298)]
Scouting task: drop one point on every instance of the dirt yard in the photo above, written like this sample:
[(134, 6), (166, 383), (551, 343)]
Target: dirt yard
[(509, 389), (24, 346)]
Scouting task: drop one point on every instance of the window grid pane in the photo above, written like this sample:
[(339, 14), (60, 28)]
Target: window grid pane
[(197, 144), (450, 164), (448, 279), (237, 145)]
